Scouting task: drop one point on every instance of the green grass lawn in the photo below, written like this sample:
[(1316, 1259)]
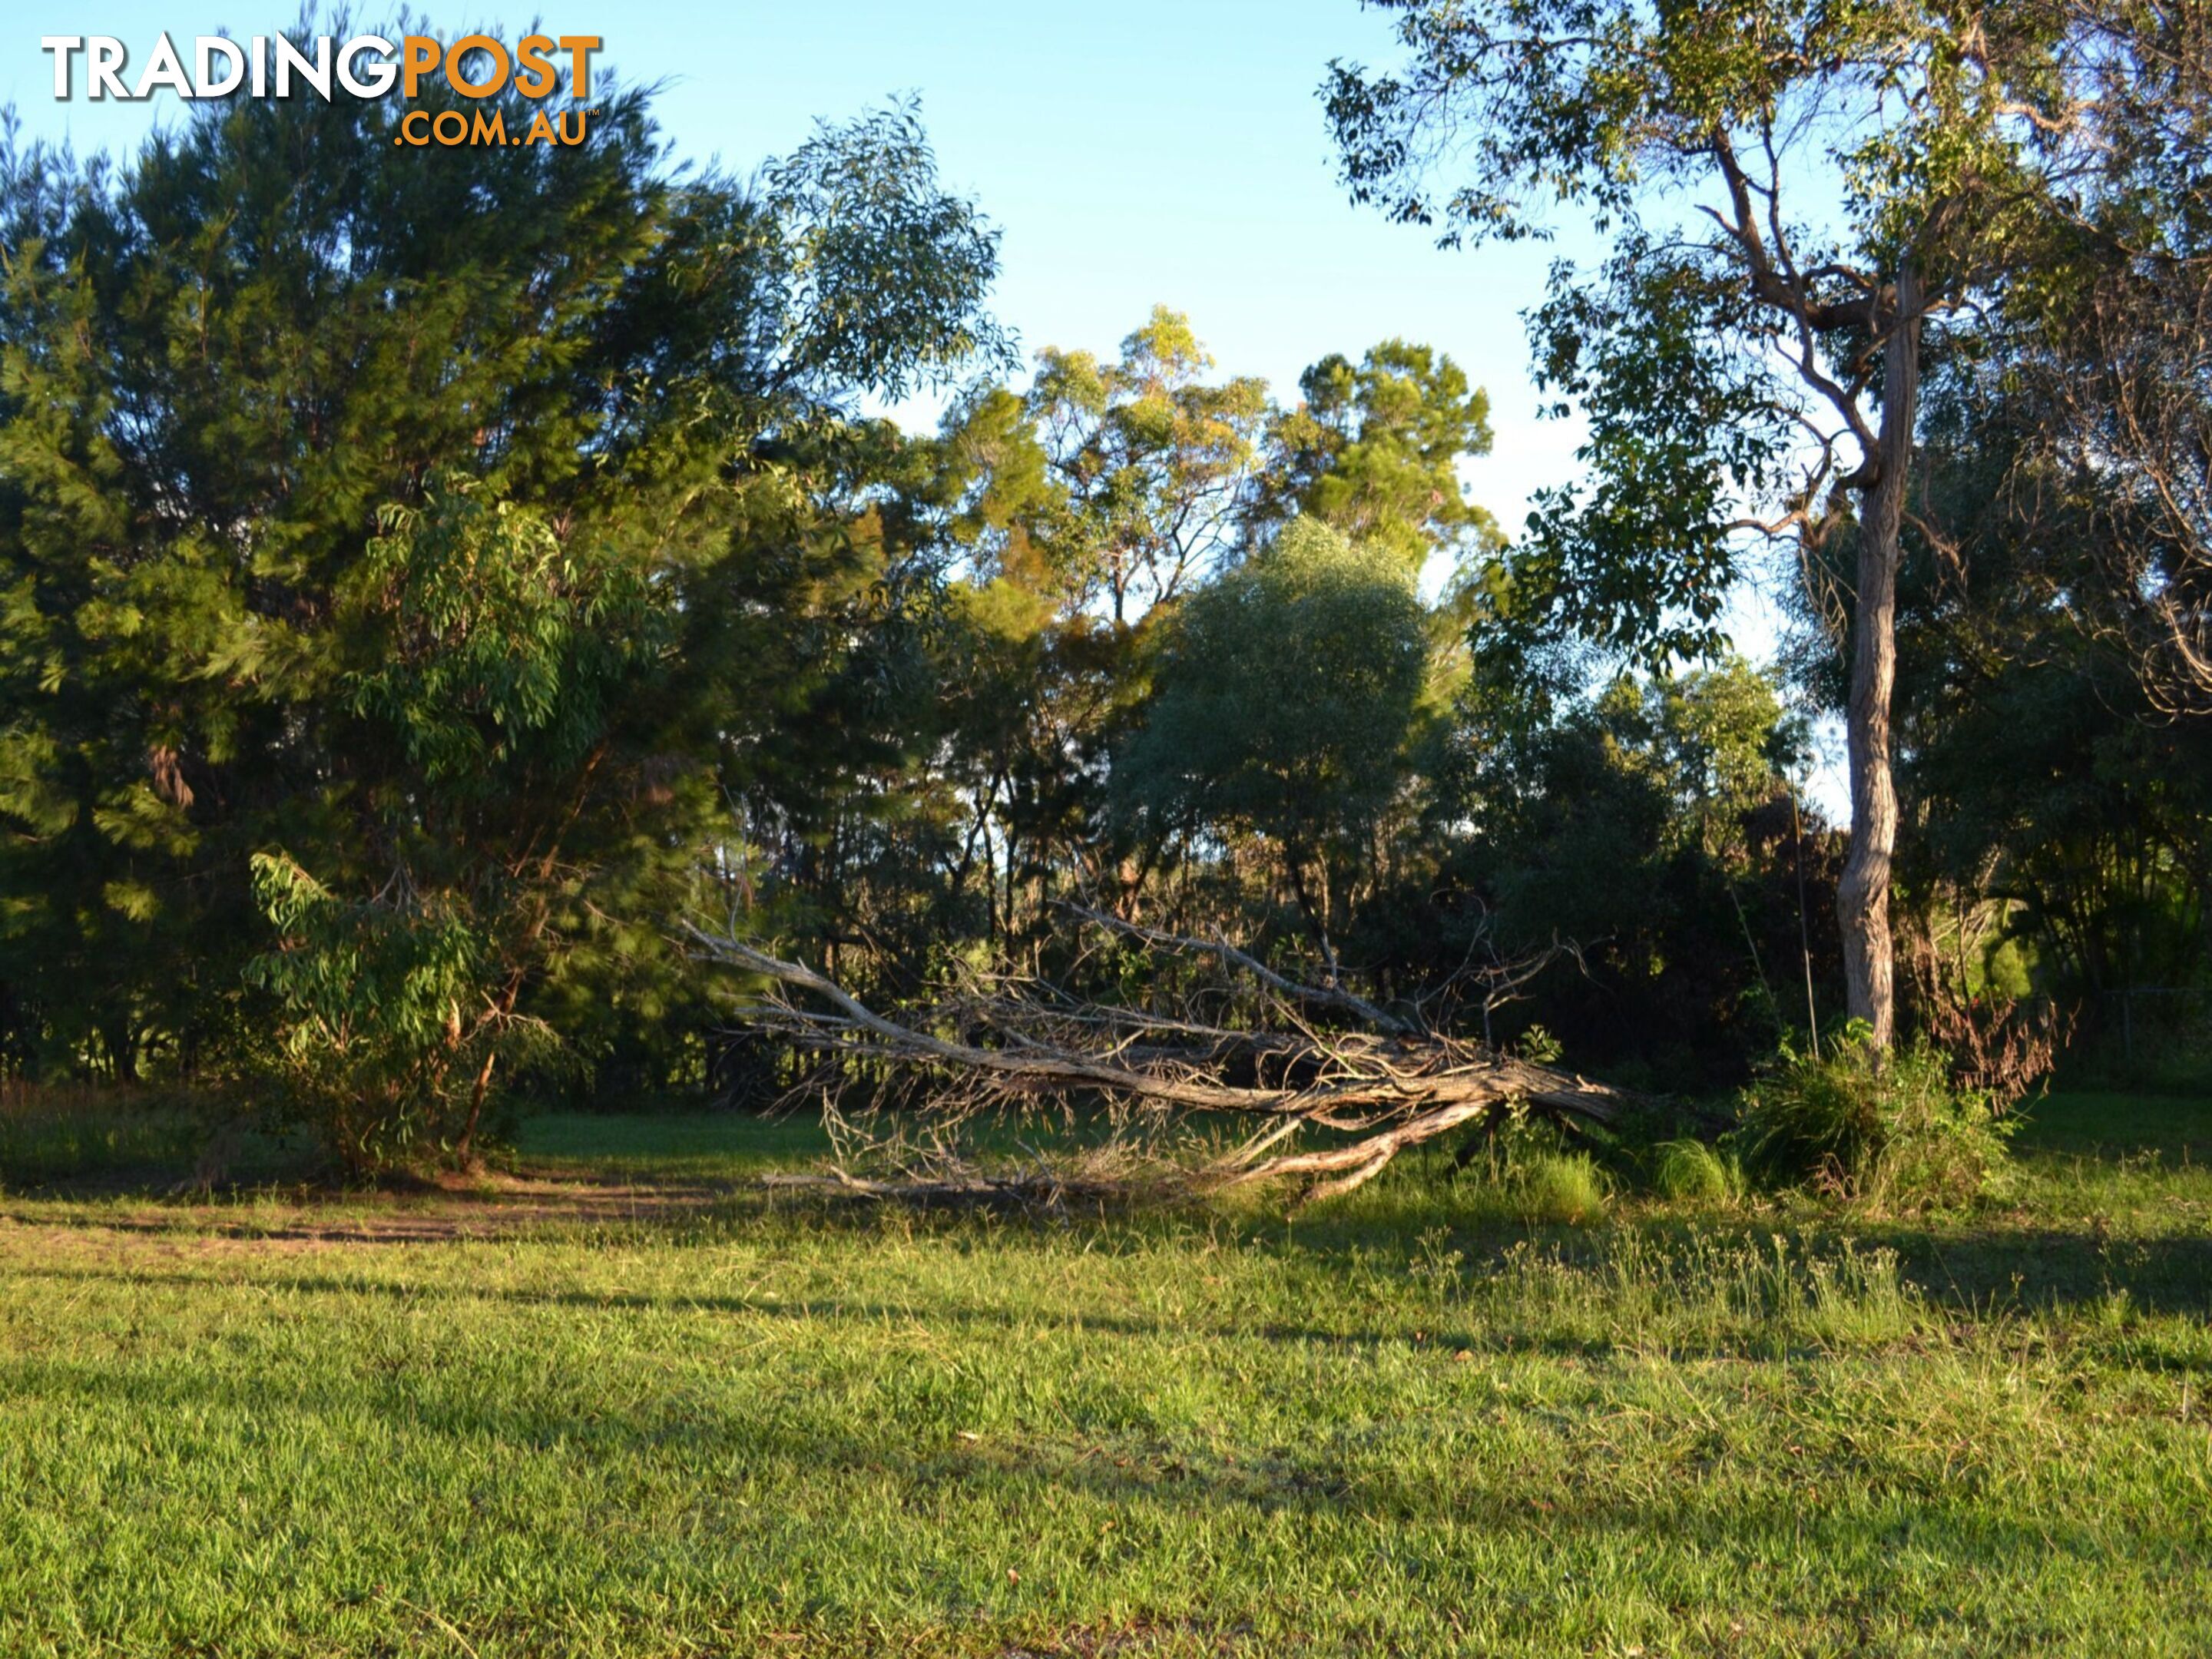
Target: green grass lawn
[(737, 1424)]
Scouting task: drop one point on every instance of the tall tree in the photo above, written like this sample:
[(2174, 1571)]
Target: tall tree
[(1799, 193), (1287, 693), (1152, 459), (1087, 511), (1374, 448), (357, 503), (2053, 802), (2111, 349)]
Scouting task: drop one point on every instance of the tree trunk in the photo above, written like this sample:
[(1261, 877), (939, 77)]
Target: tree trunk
[(1862, 893), (464, 1150)]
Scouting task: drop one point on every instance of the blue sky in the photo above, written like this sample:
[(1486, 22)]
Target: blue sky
[(1147, 152), (1151, 152)]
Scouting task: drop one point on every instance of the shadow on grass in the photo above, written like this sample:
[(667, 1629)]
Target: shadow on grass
[(2025, 1268), (682, 1179), (857, 1311), (2000, 1267), (1852, 1500), (1994, 1268), (1965, 1279)]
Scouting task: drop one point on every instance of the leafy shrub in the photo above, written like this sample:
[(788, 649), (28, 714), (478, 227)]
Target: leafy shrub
[(1561, 1186), (1697, 1172), (390, 1028), (1888, 1128)]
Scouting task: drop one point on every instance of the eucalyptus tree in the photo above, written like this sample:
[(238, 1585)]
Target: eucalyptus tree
[(1801, 198), (1373, 448), (1288, 691), (1152, 460)]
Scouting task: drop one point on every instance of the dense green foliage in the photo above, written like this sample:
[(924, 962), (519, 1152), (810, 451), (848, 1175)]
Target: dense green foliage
[(400, 550), (431, 580), (1284, 701), (1807, 203), (2057, 804)]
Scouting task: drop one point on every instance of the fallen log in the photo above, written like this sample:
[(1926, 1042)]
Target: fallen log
[(1372, 1090)]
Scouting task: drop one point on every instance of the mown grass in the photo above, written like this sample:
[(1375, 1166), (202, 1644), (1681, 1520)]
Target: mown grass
[(1412, 1423)]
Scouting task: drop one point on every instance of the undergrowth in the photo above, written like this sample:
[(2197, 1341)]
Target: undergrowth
[(1887, 1129)]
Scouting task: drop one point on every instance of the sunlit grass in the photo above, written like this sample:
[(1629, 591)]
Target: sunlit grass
[(1412, 1423)]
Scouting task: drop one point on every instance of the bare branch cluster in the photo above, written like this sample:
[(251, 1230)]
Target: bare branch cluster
[(1311, 1063)]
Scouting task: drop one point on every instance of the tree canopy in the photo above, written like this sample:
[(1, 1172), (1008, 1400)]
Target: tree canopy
[(430, 580), (1798, 195), (397, 545)]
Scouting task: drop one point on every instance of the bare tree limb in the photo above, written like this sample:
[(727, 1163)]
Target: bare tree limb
[(1315, 995), (1376, 1092)]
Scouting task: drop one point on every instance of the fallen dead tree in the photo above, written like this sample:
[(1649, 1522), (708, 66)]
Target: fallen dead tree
[(1310, 1062)]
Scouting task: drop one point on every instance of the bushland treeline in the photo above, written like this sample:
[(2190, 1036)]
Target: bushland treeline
[(428, 577)]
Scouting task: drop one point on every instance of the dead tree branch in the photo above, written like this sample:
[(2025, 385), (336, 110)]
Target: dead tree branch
[(988, 1043)]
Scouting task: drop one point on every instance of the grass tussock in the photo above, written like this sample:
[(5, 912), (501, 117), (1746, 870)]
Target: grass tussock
[(1561, 1188), (1689, 1171), (1887, 1129)]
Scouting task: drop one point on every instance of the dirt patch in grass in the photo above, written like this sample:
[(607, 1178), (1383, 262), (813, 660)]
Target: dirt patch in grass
[(433, 1210)]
